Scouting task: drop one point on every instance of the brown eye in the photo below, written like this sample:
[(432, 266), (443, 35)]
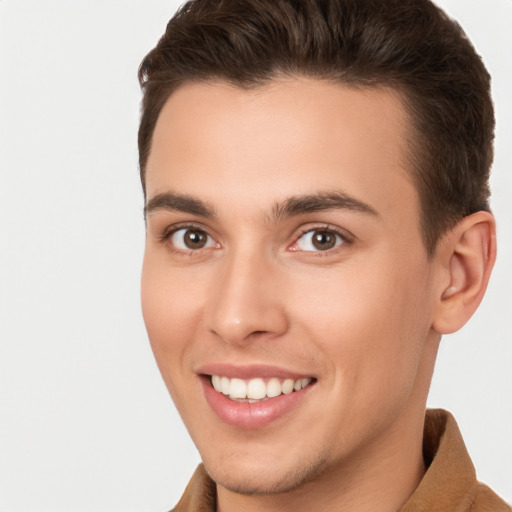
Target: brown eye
[(195, 239), (319, 240), (323, 240), (188, 239)]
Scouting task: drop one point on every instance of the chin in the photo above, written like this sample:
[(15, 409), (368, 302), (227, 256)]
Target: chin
[(266, 480)]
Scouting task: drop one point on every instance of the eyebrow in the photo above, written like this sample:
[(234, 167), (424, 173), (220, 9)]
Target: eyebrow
[(179, 203), (322, 201), (292, 206)]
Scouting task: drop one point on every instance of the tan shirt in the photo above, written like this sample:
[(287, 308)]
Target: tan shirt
[(449, 485)]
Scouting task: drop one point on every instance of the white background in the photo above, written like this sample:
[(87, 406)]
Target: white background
[(85, 421)]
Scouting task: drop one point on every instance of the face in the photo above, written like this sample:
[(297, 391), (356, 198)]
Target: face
[(286, 289)]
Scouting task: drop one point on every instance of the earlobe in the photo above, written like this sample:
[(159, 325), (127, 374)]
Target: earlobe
[(467, 257)]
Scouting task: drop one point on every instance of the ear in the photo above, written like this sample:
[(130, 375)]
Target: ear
[(466, 256)]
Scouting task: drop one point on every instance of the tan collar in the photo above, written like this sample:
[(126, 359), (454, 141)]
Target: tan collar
[(449, 485), (450, 475)]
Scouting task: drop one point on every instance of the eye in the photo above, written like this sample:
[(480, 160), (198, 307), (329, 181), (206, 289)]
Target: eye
[(191, 239), (319, 240)]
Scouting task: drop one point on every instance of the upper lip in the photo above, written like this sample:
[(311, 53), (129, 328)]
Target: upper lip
[(249, 371)]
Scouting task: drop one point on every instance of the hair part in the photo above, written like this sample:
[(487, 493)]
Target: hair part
[(411, 46)]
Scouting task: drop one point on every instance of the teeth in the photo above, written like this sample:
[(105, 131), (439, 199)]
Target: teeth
[(288, 386), (255, 390), (224, 385), (237, 389), (216, 383), (273, 388)]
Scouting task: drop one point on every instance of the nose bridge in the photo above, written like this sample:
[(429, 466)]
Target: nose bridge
[(245, 301)]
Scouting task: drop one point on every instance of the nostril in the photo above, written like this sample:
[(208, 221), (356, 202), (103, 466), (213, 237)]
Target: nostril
[(239, 322)]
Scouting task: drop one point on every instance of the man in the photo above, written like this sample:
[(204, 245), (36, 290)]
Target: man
[(315, 176)]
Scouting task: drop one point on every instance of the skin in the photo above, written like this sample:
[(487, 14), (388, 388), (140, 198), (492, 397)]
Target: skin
[(363, 317)]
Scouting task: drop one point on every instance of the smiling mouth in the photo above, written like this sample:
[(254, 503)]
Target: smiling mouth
[(257, 389)]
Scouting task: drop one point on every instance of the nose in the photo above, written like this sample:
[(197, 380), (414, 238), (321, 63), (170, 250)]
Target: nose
[(246, 301)]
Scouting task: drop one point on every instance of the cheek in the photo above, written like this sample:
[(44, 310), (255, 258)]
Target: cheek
[(170, 308), (370, 323)]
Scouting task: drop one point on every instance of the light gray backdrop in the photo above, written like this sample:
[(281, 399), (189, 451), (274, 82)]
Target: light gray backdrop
[(85, 422)]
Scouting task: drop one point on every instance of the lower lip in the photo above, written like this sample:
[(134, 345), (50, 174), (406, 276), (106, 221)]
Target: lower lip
[(251, 415)]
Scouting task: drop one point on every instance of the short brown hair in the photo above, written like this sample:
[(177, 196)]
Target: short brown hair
[(410, 45)]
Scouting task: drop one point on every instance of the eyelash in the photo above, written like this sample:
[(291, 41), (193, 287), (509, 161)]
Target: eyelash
[(345, 239), (325, 228), (172, 230)]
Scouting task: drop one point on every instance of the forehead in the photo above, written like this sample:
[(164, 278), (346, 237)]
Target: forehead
[(292, 136)]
